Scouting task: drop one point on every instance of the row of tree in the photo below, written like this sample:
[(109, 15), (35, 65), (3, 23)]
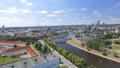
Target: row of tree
[(20, 38), (80, 62), (41, 47)]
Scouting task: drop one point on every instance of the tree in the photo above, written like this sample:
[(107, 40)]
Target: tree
[(82, 44), (38, 46), (104, 53), (27, 43), (15, 46), (79, 62), (107, 42), (116, 42), (45, 49), (91, 66), (115, 55)]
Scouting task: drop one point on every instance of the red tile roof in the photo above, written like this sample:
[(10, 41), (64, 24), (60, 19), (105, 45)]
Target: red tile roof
[(13, 42), (28, 48)]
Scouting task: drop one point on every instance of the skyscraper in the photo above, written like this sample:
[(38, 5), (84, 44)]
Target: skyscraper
[(103, 25), (3, 28), (98, 24)]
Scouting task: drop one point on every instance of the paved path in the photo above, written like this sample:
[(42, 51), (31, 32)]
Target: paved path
[(63, 59)]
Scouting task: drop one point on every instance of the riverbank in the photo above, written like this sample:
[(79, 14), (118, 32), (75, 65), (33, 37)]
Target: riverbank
[(75, 44), (65, 62)]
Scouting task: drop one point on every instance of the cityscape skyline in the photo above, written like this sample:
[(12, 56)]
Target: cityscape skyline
[(21, 13)]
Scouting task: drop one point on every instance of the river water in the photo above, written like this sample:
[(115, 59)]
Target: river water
[(99, 62)]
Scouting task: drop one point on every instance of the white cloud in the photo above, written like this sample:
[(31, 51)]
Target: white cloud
[(42, 12), (3, 18), (9, 10), (96, 13), (16, 21), (113, 21), (84, 9), (25, 11), (58, 11), (23, 1), (12, 10), (51, 15), (29, 4), (55, 13), (85, 17), (26, 3)]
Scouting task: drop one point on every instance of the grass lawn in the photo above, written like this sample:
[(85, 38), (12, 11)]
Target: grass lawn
[(38, 51), (74, 43), (8, 59), (62, 67), (116, 47), (0, 48), (58, 36)]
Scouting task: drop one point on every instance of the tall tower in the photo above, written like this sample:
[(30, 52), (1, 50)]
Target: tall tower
[(98, 23), (103, 25), (3, 28)]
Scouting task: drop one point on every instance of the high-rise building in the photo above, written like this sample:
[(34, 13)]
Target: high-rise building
[(3, 28), (103, 25), (98, 24)]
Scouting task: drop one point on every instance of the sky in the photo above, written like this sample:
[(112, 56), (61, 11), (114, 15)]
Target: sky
[(21, 13)]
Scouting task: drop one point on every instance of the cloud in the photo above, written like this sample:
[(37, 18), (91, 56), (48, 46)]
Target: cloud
[(84, 9), (42, 12), (96, 13), (23, 1), (113, 20), (4, 18), (85, 17), (51, 15), (25, 11), (10, 10), (17, 22), (26, 3), (29, 4), (55, 13), (58, 11)]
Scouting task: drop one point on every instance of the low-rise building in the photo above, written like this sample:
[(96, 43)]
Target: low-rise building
[(43, 61), (19, 51), (11, 43)]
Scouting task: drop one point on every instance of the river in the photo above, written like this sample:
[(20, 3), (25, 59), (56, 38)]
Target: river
[(98, 61)]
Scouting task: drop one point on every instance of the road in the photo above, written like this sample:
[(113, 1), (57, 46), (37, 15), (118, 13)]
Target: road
[(64, 61)]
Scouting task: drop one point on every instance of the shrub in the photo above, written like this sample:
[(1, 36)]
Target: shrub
[(104, 53), (115, 55)]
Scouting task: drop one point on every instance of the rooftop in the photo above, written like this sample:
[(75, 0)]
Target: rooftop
[(13, 42), (28, 48), (45, 60)]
